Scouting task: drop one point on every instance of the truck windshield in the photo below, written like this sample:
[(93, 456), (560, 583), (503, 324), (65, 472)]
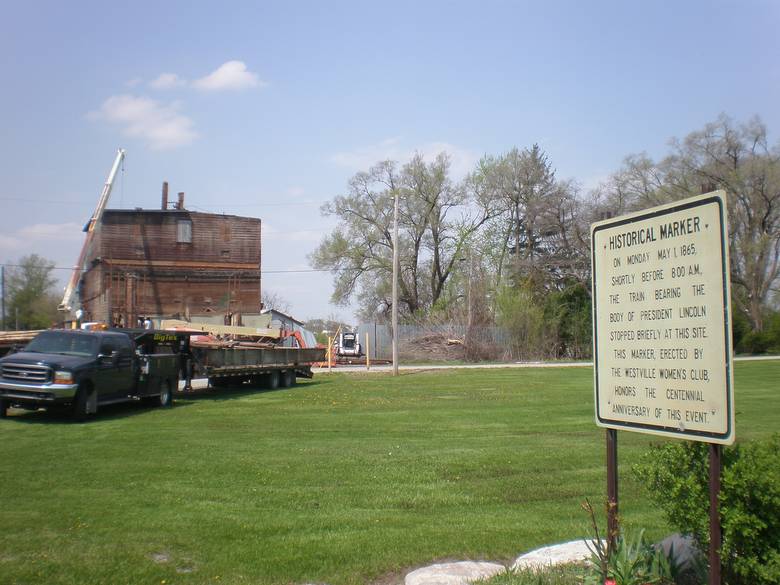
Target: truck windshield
[(63, 342)]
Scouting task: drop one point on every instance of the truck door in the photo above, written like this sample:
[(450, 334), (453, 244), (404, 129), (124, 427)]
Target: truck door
[(107, 381), (126, 366)]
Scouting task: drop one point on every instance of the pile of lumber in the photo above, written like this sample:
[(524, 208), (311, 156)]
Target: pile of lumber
[(9, 339)]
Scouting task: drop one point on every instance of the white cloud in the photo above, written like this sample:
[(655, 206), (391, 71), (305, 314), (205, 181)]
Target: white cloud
[(229, 76), (271, 233), (133, 82), (160, 125), (28, 237), (167, 81), (364, 157), (10, 242), (462, 160), (52, 231)]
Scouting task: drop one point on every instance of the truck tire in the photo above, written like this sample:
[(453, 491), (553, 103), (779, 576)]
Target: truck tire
[(272, 381), (3, 408), (81, 402), (166, 396), (288, 378)]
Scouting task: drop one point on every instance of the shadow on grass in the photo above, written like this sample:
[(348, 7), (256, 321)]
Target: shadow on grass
[(63, 415), (235, 391)]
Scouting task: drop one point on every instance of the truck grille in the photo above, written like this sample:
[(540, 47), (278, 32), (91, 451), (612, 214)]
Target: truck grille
[(26, 373)]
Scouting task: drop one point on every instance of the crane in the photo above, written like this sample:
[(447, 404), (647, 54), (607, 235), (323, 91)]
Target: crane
[(70, 301)]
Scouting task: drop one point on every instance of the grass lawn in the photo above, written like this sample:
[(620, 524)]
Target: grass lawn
[(342, 480)]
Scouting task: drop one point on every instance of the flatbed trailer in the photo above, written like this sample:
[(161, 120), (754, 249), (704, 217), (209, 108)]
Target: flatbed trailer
[(270, 367)]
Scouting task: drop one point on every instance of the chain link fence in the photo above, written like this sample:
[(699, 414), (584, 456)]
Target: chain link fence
[(448, 342)]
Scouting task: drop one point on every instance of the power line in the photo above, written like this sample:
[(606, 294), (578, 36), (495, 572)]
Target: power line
[(274, 271), (194, 207)]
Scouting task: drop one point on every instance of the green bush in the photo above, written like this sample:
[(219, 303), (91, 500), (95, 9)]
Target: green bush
[(676, 476), (568, 311), (755, 342), (772, 327)]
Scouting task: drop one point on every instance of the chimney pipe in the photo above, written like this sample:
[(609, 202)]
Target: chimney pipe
[(165, 196), (180, 204)]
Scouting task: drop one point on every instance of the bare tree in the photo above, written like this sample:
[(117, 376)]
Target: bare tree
[(437, 217), (273, 300), (723, 155)]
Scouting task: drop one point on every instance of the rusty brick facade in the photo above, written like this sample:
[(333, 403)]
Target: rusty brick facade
[(171, 263)]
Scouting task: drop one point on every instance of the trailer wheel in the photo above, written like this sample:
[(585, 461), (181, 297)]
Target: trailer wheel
[(288, 378), (272, 381), (166, 396), (3, 408), (81, 401)]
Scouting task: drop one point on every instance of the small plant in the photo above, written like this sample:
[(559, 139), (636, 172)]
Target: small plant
[(630, 561)]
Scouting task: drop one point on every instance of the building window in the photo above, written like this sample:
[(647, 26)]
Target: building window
[(184, 231)]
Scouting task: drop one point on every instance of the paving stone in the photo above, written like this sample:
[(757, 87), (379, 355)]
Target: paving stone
[(459, 573), (556, 554)]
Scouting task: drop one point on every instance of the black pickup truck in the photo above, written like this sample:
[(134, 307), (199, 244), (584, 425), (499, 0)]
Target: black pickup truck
[(82, 370)]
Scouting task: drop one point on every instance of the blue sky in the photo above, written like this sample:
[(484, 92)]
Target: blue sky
[(267, 109)]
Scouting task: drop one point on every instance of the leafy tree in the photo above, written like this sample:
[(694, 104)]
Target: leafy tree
[(436, 218), (320, 326), (31, 296), (523, 318), (723, 155), (537, 233)]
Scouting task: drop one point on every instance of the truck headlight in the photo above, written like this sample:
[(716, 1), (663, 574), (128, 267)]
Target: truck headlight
[(63, 377)]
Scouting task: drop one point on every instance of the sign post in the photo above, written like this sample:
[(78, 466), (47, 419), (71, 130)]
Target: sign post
[(662, 329)]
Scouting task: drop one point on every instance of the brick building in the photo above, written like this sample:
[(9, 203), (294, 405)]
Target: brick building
[(171, 263)]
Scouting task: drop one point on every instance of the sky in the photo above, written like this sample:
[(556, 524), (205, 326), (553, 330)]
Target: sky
[(267, 109)]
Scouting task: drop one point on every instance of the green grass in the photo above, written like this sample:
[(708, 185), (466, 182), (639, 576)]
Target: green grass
[(555, 575), (345, 479)]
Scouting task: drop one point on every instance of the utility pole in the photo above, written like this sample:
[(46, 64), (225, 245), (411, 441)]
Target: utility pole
[(395, 286)]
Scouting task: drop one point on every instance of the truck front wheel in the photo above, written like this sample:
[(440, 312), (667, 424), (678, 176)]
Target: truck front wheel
[(81, 402)]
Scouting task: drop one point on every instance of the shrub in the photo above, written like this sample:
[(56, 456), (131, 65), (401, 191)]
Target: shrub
[(676, 476), (755, 342)]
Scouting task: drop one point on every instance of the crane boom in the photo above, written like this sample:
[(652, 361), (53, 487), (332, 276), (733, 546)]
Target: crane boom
[(68, 305)]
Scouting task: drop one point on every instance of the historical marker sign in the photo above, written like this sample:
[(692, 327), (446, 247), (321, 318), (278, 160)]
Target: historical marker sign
[(661, 321)]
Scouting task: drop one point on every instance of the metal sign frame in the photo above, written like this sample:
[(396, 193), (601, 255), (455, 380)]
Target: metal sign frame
[(717, 198)]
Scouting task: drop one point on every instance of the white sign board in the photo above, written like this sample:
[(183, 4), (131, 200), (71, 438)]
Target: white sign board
[(662, 323)]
